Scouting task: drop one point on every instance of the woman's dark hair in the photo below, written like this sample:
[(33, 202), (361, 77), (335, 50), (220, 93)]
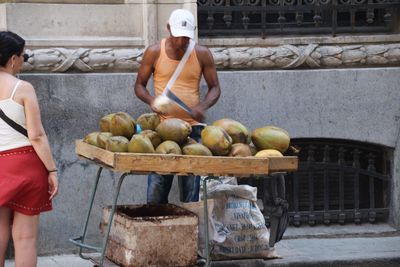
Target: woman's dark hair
[(10, 44)]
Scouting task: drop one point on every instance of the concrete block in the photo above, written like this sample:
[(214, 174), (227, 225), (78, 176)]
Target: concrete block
[(152, 235)]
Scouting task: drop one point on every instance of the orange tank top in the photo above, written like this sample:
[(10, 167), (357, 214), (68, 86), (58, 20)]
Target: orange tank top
[(186, 86)]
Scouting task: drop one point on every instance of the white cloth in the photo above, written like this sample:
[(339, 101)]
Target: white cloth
[(9, 137)]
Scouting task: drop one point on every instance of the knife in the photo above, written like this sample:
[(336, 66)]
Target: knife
[(178, 101)]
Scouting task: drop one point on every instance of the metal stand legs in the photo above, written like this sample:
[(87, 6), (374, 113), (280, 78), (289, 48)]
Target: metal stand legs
[(79, 241), (110, 219)]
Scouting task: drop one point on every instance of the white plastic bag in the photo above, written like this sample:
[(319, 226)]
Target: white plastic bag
[(239, 223)]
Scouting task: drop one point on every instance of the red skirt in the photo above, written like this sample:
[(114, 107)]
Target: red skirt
[(24, 185)]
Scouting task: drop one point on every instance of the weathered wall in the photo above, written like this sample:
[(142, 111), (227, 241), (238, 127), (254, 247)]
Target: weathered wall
[(358, 104), (89, 23)]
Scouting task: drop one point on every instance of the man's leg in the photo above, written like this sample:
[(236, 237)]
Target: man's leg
[(158, 187), (25, 233), (190, 188), (5, 217)]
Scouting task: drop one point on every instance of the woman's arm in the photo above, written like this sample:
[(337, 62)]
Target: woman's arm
[(37, 135)]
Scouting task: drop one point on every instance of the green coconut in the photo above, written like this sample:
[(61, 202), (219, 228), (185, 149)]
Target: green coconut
[(91, 138), (102, 139), (148, 121), (269, 153), (237, 131), (240, 150), (196, 149), (153, 136), (217, 140), (169, 147), (140, 144), (176, 130), (122, 124), (105, 122), (271, 137), (117, 144)]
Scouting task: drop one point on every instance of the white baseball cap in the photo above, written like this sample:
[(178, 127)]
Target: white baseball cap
[(182, 23)]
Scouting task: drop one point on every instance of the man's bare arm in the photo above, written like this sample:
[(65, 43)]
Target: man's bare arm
[(210, 75), (145, 71)]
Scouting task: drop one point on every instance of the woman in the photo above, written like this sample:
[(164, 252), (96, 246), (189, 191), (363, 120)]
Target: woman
[(28, 174)]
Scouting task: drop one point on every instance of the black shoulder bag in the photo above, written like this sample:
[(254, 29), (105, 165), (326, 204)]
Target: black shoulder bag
[(13, 124)]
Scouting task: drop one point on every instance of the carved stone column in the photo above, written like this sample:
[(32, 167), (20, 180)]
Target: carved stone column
[(150, 15)]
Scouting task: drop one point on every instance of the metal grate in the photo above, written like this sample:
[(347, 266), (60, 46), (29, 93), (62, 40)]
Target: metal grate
[(337, 181), (225, 18)]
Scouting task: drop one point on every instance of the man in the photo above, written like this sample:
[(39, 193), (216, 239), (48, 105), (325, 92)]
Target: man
[(161, 60)]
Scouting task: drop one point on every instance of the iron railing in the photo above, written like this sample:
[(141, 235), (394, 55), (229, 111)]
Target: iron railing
[(224, 18), (337, 182)]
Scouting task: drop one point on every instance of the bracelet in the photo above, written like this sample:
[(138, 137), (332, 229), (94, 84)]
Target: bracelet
[(55, 170)]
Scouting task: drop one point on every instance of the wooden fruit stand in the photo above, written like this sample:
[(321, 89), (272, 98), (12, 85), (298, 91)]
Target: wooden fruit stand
[(134, 164)]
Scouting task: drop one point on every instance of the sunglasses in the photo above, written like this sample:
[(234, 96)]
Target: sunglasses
[(26, 57)]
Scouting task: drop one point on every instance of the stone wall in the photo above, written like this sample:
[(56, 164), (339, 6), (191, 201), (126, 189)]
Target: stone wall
[(89, 23), (355, 104), (110, 36)]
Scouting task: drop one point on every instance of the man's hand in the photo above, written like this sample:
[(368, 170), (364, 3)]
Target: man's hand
[(154, 108), (198, 113)]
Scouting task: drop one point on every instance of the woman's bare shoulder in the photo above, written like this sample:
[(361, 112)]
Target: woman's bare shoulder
[(26, 86), (26, 90)]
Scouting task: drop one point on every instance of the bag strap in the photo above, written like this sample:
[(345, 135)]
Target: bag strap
[(15, 89), (179, 68), (13, 124)]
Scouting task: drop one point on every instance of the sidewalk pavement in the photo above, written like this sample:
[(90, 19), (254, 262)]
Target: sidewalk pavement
[(58, 261), (369, 245)]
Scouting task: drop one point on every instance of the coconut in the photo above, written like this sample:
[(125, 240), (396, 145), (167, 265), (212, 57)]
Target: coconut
[(196, 149), (148, 121), (91, 138), (189, 141), (140, 144), (169, 147), (240, 150), (122, 124), (102, 139), (253, 149), (176, 130), (163, 104), (271, 137), (117, 144), (235, 129), (217, 140), (105, 122), (153, 136), (269, 153)]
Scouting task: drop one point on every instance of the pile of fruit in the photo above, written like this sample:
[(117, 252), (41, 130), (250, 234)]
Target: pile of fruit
[(119, 132)]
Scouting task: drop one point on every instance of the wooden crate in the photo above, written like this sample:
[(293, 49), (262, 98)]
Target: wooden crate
[(186, 164)]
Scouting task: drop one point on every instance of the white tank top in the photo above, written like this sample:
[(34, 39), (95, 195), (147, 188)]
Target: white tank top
[(9, 137)]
